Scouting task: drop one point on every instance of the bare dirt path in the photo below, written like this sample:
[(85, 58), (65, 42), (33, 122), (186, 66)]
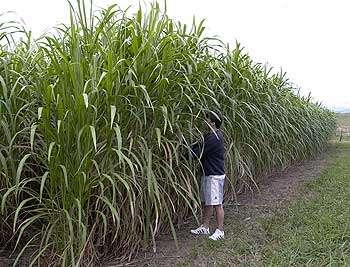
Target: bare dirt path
[(241, 220)]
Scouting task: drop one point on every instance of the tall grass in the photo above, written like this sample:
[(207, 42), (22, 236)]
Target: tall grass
[(95, 120)]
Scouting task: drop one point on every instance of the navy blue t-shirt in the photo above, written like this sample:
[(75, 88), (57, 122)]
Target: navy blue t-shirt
[(211, 153)]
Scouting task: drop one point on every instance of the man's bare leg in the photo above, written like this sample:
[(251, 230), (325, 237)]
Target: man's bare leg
[(207, 213), (220, 214)]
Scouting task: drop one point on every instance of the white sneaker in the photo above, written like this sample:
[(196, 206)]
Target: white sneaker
[(201, 230), (218, 234)]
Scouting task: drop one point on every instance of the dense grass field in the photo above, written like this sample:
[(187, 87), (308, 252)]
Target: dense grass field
[(343, 119), (343, 127), (96, 120)]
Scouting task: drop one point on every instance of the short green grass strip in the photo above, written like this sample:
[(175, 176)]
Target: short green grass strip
[(316, 230)]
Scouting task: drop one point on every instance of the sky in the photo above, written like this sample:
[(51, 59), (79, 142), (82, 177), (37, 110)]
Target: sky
[(308, 39)]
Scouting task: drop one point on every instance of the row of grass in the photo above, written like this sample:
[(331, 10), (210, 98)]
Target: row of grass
[(91, 123)]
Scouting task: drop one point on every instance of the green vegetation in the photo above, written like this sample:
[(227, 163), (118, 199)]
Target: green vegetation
[(343, 119), (90, 155), (343, 127), (316, 231), (311, 231)]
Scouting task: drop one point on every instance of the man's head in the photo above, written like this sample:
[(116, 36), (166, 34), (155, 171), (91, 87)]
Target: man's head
[(213, 119)]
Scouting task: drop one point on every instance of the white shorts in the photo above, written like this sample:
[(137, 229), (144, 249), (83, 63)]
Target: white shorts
[(212, 189)]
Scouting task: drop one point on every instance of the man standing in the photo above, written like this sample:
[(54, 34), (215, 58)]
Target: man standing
[(211, 155)]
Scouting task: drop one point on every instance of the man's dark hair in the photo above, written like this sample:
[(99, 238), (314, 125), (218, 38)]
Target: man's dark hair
[(214, 117)]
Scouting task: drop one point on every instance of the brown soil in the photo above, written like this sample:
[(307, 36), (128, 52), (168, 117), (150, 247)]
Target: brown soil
[(275, 191)]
